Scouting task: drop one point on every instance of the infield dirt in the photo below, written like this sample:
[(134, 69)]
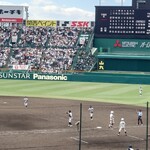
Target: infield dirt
[(43, 125)]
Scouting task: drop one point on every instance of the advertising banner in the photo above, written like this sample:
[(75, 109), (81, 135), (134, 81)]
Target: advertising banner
[(85, 24), (13, 20), (20, 67), (80, 24), (42, 23), (11, 14)]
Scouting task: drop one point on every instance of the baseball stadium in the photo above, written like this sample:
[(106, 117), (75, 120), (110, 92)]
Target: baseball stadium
[(79, 85)]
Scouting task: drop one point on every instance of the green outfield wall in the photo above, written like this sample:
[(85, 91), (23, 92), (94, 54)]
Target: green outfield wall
[(123, 46), (123, 63), (123, 54), (82, 77)]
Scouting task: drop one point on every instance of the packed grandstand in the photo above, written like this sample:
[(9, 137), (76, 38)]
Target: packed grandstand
[(118, 40), (46, 49)]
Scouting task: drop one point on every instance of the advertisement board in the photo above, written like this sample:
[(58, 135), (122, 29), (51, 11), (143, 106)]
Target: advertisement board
[(85, 24), (11, 14), (41, 23)]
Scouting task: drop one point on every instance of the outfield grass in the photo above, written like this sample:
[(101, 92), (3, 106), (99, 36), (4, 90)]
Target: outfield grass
[(102, 92)]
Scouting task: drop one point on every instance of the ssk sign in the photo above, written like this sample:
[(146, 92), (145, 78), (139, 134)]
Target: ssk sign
[(80, 24)]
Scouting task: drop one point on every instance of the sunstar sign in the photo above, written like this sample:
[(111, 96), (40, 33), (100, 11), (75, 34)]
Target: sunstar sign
[(7, 75), (131, 44)]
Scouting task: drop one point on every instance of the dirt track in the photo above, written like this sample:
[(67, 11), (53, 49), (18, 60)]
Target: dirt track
[(43, 125)]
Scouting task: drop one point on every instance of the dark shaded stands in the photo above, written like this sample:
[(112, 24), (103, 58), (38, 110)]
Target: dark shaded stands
[(46, 49)]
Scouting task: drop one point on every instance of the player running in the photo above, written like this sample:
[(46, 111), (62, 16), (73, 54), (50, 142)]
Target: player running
[(70, 118), (112, 120), (140, 90), (91, 111), (25, 101)]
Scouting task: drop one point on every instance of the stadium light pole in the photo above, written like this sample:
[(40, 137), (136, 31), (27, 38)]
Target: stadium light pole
[(26, 11), (121, 2), (99, 2)]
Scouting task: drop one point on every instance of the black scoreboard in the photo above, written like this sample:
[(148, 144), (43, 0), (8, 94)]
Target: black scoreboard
[(122, 22)]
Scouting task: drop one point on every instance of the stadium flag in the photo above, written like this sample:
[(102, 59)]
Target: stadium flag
[(14, 38), (82, 40), (93, 50)]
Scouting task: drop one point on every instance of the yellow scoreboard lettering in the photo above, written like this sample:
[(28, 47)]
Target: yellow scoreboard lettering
[(101, 65)]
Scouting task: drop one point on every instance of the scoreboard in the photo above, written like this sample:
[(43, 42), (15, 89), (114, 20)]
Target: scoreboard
[(122, 22)]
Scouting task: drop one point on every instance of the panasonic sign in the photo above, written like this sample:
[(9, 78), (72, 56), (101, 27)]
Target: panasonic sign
[(50, 77)]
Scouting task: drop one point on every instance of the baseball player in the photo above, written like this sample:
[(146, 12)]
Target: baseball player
[(112, 121), (70, 118), (78, 125), (91, 111), (140, 90), (130, 147), (122, 126), (140, 114), (25, 101)]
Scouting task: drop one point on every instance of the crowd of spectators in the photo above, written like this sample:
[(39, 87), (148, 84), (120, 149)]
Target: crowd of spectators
[(4, 54), (45, 49), (57, 60), (45, 37), (5, 35), (85, 61), (34, 37), (26, 56), (64, 37)]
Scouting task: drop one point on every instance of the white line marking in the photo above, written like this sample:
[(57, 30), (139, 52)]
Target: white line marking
[(23, 132), (78, 140), (98, 136), (98, 127), (42, 131), (48, 131), (135, 137), (136, 126)]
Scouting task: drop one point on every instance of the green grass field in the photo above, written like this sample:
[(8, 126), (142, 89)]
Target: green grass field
[(102, 92)]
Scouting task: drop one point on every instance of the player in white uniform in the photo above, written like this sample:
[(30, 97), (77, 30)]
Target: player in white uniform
[(130, 147), (122, 126), (70, 118), (140, 114), (111, 119), (25, 101), (78, 125), (140, 90), (91, 111)]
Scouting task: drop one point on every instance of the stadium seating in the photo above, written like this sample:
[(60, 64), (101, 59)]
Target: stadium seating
[(46, 49)]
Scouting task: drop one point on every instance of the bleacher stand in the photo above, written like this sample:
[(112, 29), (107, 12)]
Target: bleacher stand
[(4, 54), (45, 49)]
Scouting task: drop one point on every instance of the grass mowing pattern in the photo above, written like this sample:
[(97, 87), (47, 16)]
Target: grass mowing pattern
[(102, 92)]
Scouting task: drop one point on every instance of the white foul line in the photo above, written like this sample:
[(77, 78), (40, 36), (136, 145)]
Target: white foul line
[(135, 137), (78, 140)]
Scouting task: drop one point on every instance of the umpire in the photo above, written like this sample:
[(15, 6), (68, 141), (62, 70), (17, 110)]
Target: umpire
[(140, 114)]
